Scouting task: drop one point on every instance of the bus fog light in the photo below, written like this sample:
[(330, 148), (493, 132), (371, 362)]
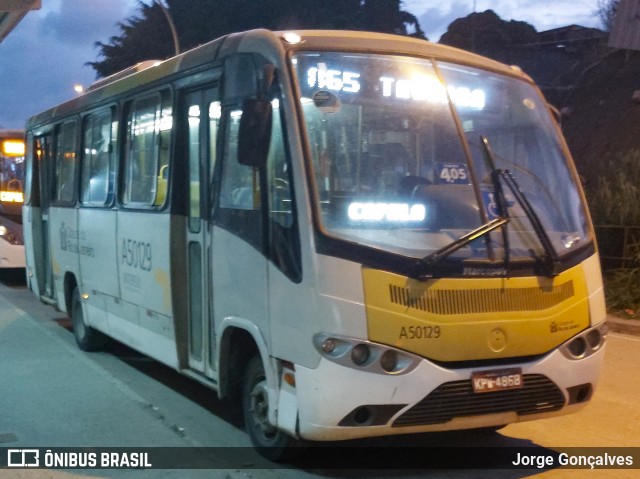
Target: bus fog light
[(389, 360), (362, 415), (578, 347), (360, 354)]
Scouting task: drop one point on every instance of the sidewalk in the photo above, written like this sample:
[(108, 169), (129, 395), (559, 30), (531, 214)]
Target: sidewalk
[(621, 325), (53, 394)]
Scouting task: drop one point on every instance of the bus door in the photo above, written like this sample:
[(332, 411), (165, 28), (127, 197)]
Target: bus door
[(201, 114), (39, 220)]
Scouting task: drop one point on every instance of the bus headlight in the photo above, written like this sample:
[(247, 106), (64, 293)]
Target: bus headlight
[(365, 355), (389, 360), (360, 354), (586, 343), (8, 236), (594, 338), (577, 347)]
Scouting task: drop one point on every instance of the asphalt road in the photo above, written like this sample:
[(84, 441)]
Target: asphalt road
[(54, 395)]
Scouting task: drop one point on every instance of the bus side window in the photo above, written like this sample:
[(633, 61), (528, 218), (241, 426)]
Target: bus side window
[(196, 125), (162, 173), (239, 204), (240, 188), (284, 240), (97, 159), (148, 148), (279, 178), (65, 163)]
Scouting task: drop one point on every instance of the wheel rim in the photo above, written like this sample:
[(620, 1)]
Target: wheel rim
[(259, 411)]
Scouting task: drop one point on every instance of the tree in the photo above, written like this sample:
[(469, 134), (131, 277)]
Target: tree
[(607, 10), (487, 34), (143, 37), (148, 36)]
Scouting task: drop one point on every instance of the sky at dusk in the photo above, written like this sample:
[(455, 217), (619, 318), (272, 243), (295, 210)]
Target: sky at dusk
[(46, 55)]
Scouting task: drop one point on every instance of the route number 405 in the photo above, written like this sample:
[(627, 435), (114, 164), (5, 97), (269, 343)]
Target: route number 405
[(452, 173)]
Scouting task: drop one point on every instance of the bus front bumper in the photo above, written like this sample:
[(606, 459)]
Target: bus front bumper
[(335, 402), (11, 256)]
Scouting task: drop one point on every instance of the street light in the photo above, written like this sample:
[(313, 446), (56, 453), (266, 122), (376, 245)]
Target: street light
[(473, 31), (174, 33)]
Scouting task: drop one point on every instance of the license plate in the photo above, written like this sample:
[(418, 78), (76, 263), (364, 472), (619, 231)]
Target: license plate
[(496, 380)]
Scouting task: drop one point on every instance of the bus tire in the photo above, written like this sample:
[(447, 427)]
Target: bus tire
[(268, 440), (88, 339)]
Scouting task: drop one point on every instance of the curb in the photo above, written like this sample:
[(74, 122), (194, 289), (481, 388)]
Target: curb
[(620, 325)]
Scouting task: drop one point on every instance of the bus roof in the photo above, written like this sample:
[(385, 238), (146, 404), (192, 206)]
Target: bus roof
[(11, 133), (387, 43), (211, 53)]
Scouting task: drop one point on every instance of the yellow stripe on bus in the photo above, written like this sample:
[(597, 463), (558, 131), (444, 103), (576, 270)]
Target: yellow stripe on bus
[(476, 318)]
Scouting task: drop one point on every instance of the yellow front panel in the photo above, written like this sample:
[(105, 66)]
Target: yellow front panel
[(476, 318)]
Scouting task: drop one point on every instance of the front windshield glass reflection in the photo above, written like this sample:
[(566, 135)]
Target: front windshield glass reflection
[(396, 170)]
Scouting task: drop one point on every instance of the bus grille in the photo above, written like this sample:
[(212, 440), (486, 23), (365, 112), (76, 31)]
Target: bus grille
[(455, 399), (473, 301)]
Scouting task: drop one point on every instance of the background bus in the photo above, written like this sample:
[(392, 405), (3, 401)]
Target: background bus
[(347, 242), (12, 151)]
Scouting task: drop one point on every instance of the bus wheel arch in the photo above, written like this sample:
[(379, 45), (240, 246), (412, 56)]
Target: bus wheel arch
[(236, 348), (244, 380)]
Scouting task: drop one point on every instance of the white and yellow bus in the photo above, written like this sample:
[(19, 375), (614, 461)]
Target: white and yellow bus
[(359, 234), (12, 151)]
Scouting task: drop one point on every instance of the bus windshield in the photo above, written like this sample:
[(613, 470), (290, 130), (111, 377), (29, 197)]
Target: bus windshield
[(399, 163), (12, 151)]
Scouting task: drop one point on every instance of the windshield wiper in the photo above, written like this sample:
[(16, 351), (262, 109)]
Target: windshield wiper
[(429, 262), (498, 195), (550, 257)]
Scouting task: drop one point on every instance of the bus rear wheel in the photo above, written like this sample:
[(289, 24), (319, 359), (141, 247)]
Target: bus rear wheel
[(88, 339), (268, 440)]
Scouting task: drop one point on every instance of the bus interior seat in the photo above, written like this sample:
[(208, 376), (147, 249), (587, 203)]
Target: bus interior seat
[(161, 190)]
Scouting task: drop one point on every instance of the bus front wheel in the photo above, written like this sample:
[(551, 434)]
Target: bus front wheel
[(268, 440), (88, 339)]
